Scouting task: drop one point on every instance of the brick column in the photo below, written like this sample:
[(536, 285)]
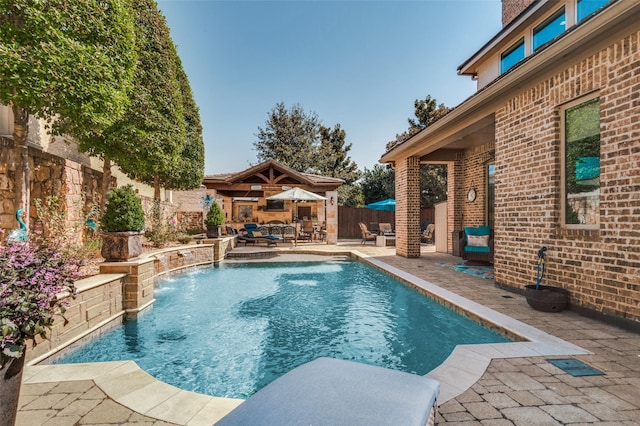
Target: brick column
[(331, 218), (408, 207)]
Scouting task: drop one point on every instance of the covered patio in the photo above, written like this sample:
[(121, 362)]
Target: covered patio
[(249, 197)]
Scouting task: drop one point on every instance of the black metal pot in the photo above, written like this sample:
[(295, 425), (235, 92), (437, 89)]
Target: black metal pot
[(546, 298)]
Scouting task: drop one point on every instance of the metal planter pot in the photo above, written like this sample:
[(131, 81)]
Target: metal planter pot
[(546, 298)]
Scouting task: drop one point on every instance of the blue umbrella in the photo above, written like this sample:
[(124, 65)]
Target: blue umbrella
[(389, 204)]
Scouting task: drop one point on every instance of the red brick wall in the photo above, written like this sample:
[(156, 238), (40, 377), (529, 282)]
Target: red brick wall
[(408, 207), (601, 268), (512, 8)]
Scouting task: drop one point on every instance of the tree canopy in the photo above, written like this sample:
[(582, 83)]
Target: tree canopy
[(299, 140), (68, 60), (427, 112), (377, 183)]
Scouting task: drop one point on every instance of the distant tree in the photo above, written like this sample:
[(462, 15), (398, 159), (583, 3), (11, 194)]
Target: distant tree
[(290, 137), (433, 184), (67, 62), (427, 112), (377, 184), (433, 178), (350, 195), (332, 158)]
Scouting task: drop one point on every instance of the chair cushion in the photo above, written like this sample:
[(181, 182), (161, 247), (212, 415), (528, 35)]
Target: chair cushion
[(477, 249), (478, 230), (257, 234), (478, 240)]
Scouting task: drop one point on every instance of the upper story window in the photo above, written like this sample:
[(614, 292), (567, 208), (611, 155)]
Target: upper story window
[(549, 29), (511, 56), (587, 7), (581, 158)]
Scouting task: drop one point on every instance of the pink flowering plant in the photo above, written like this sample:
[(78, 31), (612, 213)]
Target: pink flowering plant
[(34, 281)]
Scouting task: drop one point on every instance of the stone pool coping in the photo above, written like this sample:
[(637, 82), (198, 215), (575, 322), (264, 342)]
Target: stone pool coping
[(127, 384)]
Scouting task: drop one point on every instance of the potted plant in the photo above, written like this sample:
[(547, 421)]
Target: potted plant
[(122, 224), (33, 280), (214, 221), (543, 297)]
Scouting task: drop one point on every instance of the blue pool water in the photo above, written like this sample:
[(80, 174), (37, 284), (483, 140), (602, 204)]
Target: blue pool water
[(231, 330)]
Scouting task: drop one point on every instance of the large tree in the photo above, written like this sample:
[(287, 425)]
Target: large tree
[(290, 137), (299, 140), (189, 172), (332, 157), (68, 62), (433, 177), (377, 184), (147, 140), (427, 112)]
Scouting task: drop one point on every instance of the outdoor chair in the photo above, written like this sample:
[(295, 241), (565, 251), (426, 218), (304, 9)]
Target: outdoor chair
[(252, 231), (476, 244), (242, 235), (306, 230), (428, 236), (366, 234), (386, 229)]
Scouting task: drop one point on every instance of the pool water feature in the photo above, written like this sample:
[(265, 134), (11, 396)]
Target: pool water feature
[(230, 330)]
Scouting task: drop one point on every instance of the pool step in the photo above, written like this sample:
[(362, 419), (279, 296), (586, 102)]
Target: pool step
[(251, 253)]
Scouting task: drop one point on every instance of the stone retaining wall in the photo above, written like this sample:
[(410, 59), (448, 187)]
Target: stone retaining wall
[(121, 290)]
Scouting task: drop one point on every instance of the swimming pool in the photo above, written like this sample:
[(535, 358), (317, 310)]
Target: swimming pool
[(232, 329)]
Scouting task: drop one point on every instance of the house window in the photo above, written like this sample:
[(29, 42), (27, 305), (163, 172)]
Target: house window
[(587, 7), (512, 56), (275, 205), (549, 29), (581, 152)]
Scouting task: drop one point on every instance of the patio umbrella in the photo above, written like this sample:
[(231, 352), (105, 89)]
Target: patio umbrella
[(389, 205), (297, 194)]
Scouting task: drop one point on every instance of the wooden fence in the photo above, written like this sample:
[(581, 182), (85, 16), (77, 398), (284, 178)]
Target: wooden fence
[(349, 217)]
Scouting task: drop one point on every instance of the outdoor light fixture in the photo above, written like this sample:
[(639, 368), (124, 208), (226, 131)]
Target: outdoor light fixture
[(331, 200)]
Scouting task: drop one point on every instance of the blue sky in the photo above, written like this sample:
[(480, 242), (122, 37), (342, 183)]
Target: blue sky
[(360, 63)]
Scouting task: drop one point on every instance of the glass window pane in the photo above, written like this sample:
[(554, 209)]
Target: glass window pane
[(582, 163), (549, 29), (512, 56), (587, 7)]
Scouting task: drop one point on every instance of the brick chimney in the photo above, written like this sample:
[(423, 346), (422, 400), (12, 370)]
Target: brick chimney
[(512, 8)]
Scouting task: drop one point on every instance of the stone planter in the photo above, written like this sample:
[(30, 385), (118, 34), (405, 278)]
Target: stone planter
[(546, 298), (121, 246), (214, 231), (10, 381)]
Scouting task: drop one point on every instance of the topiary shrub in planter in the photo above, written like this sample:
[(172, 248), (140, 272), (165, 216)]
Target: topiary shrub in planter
[(122, 224), (214, 221)]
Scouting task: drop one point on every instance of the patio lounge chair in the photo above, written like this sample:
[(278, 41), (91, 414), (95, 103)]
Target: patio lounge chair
[(476, 244), (386, 229), (242, 235), (330, 391), (252, 232), (366, 234)]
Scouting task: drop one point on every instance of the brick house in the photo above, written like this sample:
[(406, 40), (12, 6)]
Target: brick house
[(550, 143)]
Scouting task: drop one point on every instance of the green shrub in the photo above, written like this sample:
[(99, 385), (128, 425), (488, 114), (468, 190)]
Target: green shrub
[(123, 211), (215, 216)]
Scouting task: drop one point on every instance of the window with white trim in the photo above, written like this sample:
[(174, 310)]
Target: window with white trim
[(588, 7), (512, 56), (549, 29)]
